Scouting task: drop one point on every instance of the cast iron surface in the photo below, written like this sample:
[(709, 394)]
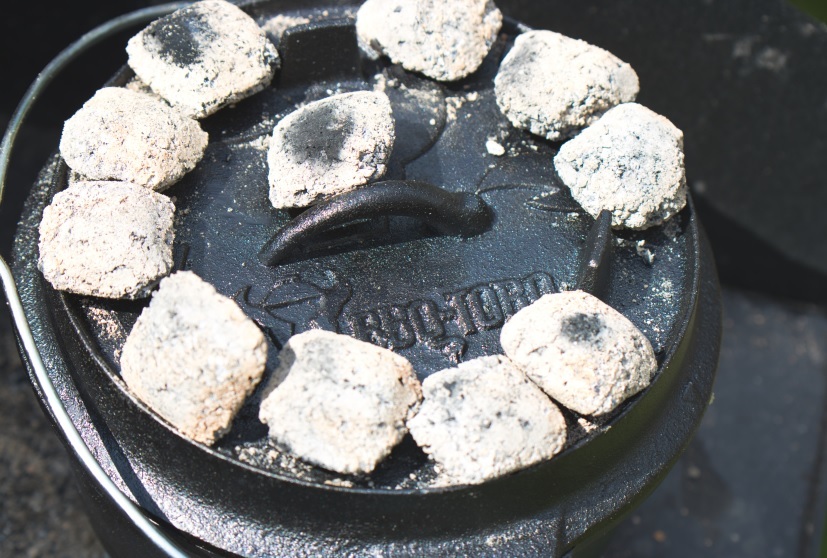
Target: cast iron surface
[(436, 299)]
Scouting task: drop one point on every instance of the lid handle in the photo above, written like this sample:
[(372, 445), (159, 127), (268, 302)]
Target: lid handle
[(450, 213)]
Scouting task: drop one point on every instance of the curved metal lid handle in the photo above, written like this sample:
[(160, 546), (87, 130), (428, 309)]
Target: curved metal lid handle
[(456, 214)]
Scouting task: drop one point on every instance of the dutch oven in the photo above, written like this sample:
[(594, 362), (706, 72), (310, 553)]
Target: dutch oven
[(430, 263)]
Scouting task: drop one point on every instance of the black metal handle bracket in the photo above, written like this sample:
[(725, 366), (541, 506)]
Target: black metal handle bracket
[(455, 214)]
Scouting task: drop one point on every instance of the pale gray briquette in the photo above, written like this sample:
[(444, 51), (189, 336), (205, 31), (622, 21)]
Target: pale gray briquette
[(583, 353), (553, 85), (445, 40), (193, 357), (338, 402), (485, 419), (630, 162), (204, 57), (130, 136), (329, 147), (106, 239)]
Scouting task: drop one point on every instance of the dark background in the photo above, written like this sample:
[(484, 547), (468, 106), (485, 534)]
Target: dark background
[(747, 82)]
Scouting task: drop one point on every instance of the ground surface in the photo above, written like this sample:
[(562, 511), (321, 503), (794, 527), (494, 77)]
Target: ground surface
[(752, 482), (40, 509)]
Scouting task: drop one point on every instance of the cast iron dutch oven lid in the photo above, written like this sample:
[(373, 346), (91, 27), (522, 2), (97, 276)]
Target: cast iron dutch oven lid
[(429, 263)]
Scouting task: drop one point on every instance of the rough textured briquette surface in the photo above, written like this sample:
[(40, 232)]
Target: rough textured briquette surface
[(630, 162), (193, 357), (342, 403), (329, 147), (106, 239), (485, 419), (553, 85), (130, 136), (203, 57), (444, 39), (580, 351)]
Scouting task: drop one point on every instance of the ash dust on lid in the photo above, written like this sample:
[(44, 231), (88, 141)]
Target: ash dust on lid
[(181, 37)]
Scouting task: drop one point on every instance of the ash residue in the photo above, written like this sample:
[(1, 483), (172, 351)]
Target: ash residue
[(270, 457), (582, 328), (180, 37), (406, 469), (277, 25), (319, 136)]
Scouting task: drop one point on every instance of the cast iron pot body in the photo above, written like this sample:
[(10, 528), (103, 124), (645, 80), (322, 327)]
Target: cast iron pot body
[(537, 241)]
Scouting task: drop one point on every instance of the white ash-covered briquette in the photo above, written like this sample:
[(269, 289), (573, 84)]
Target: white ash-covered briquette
[(446, 40), (329, 147), (485, 419), (630, 162), (106, 239), (342, 403), (130, 136), (584, 354), (203, 57), (553, 85), (193, 357)]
